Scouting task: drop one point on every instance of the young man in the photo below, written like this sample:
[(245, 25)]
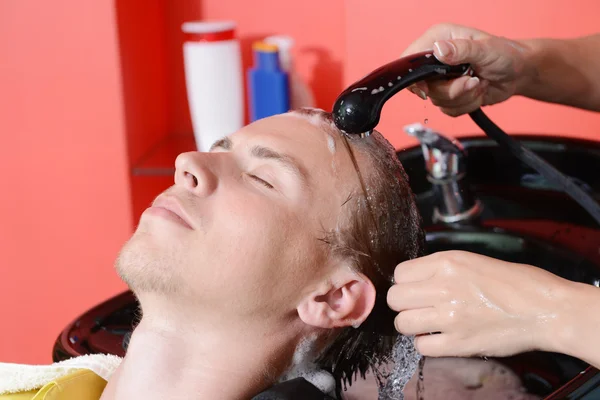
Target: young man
[(269, 258)]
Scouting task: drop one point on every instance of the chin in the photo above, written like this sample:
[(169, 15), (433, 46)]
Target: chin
[(147, 267)]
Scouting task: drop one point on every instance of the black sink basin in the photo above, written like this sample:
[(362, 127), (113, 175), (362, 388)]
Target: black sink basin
[(524, 220)]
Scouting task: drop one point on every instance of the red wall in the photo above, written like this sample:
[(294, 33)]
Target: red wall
[(89, 88), (64, 203)]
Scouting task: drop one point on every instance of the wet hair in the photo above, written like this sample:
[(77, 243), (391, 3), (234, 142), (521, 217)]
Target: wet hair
[(383, 230)]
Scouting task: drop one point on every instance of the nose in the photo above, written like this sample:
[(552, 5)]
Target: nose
[(192, 172)]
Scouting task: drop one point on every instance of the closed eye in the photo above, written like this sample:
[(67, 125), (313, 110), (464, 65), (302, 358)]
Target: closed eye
[(261, 181)]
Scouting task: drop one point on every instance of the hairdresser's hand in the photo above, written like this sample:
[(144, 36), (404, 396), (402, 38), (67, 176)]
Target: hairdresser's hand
[(498, 64), (484, 307)]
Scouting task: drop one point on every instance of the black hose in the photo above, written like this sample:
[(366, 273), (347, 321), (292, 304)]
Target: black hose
[(584, 199)]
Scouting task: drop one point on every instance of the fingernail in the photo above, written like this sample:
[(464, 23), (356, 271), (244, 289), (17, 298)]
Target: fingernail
[(471, 83), (443, 48), (423, 86), (420, 93)]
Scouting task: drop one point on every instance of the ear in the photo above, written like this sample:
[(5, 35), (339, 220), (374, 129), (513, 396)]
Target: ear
[(346, 299)]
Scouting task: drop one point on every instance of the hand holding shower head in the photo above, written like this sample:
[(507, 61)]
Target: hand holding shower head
[(358, 108)]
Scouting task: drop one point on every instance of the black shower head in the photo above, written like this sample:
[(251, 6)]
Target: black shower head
[(358, 108)]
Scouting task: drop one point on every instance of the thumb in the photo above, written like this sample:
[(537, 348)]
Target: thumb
[(459, 51)]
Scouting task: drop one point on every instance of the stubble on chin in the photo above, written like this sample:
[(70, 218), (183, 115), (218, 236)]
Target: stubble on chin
[(146, 268)]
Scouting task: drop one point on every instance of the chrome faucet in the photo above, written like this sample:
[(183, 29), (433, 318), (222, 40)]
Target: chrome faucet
[(445, 162)]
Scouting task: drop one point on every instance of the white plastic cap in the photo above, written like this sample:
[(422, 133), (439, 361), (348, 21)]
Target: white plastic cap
[(284, 45), (208, 26)]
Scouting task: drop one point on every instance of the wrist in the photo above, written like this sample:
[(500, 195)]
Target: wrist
[(576, 325), (529, 72)]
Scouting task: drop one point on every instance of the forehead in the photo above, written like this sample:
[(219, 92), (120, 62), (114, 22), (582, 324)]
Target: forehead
[(307, 138), (291, 128)]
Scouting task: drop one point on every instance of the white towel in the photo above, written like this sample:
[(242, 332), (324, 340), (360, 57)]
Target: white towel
[(16, 378)]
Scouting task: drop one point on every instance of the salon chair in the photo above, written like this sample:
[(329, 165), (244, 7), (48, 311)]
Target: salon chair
[(486, 202)]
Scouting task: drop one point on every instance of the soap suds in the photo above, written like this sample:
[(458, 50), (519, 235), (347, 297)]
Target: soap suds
[(406, 361), (331, 143), (303, 366), (314, 119), (317, 121)]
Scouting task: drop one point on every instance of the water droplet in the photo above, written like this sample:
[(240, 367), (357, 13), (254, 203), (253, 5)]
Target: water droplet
[(426, 121), (420, 382)]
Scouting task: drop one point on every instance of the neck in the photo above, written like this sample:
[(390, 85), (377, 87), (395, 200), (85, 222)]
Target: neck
[(178, 359)]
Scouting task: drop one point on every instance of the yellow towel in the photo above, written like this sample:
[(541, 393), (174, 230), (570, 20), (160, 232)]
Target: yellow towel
[(18, 378)]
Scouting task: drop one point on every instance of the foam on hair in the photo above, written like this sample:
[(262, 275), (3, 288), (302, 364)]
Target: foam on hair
[(303, 365)]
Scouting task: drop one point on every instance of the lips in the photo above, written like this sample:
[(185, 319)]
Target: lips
[(172, 205)]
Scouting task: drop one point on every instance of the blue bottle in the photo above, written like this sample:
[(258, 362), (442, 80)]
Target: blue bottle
[(268, 89)]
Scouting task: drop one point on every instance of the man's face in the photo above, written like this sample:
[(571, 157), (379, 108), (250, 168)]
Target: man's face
[(250, 215)]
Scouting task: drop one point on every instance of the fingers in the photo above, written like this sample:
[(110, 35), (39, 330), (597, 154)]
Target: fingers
[(436, 345), (450, 345), (460, 96), (420, 89), (456, 92), (419, 269), (422, 268), (439, 32), (465, 94), (413, 295), (461, 51), (456, 97), (458, 111), (417, 322)]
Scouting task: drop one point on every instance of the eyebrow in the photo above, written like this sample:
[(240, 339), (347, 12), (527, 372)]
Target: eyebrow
[(224, 144), (286, 161)]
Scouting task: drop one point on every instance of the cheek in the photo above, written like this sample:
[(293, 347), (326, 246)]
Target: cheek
[(245, 230), (267, 248)]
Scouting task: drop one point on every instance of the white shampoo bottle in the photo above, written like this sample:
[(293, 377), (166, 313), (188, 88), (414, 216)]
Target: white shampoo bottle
[(214, 80)]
